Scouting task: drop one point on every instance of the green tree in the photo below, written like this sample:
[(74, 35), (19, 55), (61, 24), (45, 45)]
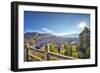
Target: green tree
[(68, 50), (53, 48), (75, 51), (62, 49)]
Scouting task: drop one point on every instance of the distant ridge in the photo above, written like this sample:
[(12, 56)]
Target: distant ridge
[(41, 37), (71, 35)]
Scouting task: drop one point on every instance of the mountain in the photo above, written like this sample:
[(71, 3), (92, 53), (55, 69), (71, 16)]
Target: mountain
[(71, 35), (43, 38), (35, 35), (49, 37)]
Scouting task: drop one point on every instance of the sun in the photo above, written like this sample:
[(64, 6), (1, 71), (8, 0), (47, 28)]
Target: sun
[(82, 25)]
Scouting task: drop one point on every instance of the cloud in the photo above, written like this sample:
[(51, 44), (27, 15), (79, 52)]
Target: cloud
[(60, 34), (47, 30)]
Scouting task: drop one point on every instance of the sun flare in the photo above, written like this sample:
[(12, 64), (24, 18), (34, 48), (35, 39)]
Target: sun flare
[(82, 25)]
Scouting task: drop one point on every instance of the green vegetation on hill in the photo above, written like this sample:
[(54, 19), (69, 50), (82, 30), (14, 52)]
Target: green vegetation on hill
[(71, 50)]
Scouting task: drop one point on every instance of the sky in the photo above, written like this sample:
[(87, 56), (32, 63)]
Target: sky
[(55, 23)]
